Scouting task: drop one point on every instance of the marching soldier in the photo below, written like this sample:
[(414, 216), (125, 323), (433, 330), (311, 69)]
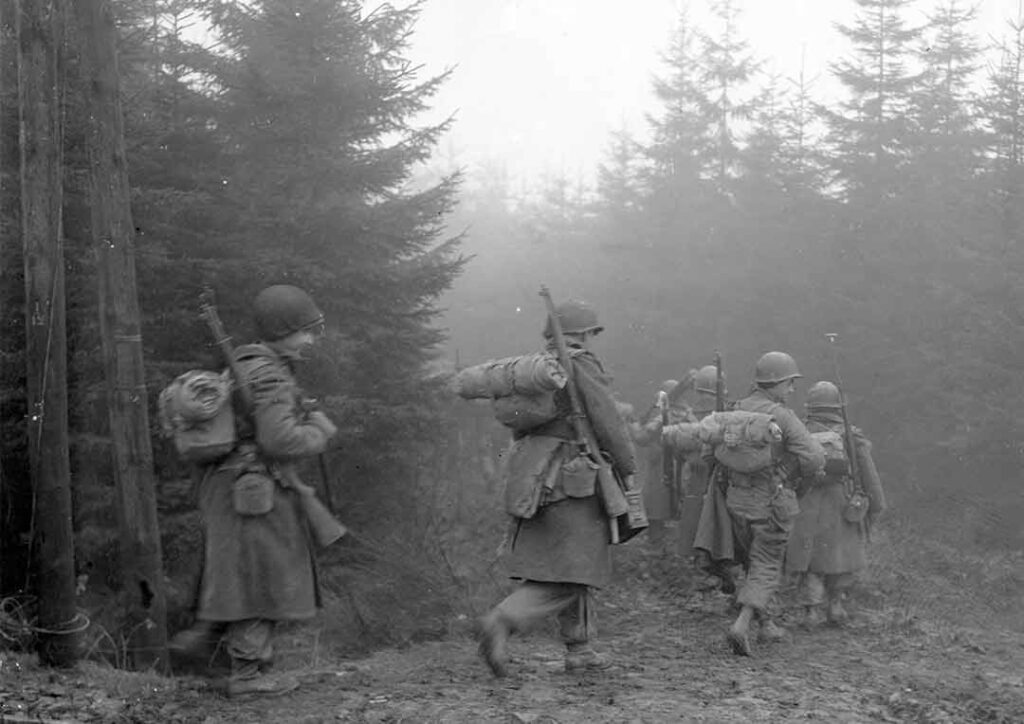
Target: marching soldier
[(827, 548), (712, 544), (258, 567), (562, 551), (762, 504), (661, 493)]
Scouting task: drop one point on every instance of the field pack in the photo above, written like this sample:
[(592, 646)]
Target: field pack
[(837, 464), (742, 440), (522, 389), (195, 411)]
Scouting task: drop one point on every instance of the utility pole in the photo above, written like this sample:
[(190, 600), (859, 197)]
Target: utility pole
[(40, 32), (113, 236)]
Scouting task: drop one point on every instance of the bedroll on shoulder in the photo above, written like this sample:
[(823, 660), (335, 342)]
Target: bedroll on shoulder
[(742, 440), (682, 437), (195, 411), (529, 375)]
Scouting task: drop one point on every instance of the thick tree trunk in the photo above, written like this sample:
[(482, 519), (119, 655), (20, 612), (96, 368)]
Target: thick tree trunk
[(114, 240), (40, 45)]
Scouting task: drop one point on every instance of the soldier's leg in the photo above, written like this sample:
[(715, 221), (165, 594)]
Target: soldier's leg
[(767, 550), (739, 634), (530, 603), (836, 585), (578, 627), (812, 597), (250, 645)]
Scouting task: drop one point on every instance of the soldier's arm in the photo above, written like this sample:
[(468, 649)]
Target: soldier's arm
[(800, 442), (599, 406), (282, 429), (869, 478)]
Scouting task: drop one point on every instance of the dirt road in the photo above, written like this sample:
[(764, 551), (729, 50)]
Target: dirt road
[(672, 664)]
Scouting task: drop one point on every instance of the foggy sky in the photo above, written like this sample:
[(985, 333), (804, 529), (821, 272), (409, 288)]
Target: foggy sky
[(540, 85)]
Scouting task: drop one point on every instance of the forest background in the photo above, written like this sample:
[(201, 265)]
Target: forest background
[(752, 217)]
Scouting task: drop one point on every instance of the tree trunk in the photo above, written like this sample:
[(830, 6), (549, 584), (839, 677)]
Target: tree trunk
[(114, 240), (40, 29)]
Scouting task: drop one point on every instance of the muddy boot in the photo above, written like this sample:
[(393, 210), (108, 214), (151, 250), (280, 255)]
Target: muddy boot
[(837, 615), (812, 617), (493, 648), (582, 657), (247, 681), (739, 634), (771, 632)]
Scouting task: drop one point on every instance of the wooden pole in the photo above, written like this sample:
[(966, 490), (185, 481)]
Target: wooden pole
[(113, 236), (40, 31)]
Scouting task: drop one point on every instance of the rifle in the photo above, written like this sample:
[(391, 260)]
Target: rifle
[(622, 504), (324, 526), (668, 458), (718, 473), (855, 486)]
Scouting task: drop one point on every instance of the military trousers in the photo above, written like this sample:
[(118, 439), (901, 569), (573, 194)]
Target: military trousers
[(249, 643), (762, 519), (534, 601)]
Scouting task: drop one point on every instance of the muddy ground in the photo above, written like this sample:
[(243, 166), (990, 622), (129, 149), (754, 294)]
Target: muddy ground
[(672, 664)]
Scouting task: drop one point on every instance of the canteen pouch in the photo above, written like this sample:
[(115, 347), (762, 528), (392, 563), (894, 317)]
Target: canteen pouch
[(856, 508), (252, 494), (579, 477)]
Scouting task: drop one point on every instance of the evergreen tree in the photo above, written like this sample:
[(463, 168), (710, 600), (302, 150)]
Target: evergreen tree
[(869, 131), (317, 119)]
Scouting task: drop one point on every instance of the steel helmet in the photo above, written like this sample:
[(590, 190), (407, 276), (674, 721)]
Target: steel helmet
[(576, 317), (668, 385), (823, 394), (775, 367), (282, 309), (706, 378)]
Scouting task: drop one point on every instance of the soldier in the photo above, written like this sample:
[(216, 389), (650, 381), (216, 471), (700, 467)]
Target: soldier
[(258, 566), (826, 550), (713, 552), (662, 497), (562, 551), (761, 504)]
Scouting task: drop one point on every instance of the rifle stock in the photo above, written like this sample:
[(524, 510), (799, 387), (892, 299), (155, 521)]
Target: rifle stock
[(622, 503), (325, 528)]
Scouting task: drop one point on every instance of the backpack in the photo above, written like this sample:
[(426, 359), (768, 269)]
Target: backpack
[(195, 411), (524, 412), (742, 439), (837, 463)]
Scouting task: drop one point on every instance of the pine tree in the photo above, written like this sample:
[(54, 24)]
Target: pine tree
[(869, 132), (317, 117)]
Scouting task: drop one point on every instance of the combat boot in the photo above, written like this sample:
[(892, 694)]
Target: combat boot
[(771, 632), (812, 618), (837, 615), (494, 633), (247, 681), (584, 658)]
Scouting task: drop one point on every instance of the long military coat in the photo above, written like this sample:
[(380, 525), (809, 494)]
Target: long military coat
[(822, 541), (260, 566), (567, 540), (646, 434)]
